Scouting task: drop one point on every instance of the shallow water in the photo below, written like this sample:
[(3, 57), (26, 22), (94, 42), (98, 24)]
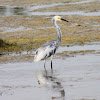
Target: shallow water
[(92, 46), (79, 13), (72, 79)]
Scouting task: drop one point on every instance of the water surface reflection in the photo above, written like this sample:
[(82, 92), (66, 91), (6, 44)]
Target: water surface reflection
[(47, 79)]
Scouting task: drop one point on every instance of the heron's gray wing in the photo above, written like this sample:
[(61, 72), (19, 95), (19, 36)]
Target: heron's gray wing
[(46, 50), (48, 45)]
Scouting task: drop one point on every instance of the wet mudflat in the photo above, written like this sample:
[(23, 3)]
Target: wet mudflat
[(24, 26)]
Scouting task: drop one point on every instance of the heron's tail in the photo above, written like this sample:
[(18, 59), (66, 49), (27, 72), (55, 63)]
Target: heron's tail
[(39, 56), (36, 58)]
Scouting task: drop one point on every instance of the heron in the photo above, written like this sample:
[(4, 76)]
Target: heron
[(49, 49)]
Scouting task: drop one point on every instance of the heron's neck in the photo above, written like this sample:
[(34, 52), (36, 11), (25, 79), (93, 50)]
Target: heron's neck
[(58, 30)]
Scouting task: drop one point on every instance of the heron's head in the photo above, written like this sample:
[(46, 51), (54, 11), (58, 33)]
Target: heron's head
[(58, 18)]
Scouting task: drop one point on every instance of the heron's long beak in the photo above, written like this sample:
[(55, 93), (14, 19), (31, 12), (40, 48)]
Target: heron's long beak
[(64, 20)]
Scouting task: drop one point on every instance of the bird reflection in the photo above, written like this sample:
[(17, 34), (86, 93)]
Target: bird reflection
[(48, 79)]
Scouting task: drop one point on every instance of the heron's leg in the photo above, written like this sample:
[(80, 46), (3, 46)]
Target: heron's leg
[(51, 63), (45, 67), (51, 68), (44, 63)]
